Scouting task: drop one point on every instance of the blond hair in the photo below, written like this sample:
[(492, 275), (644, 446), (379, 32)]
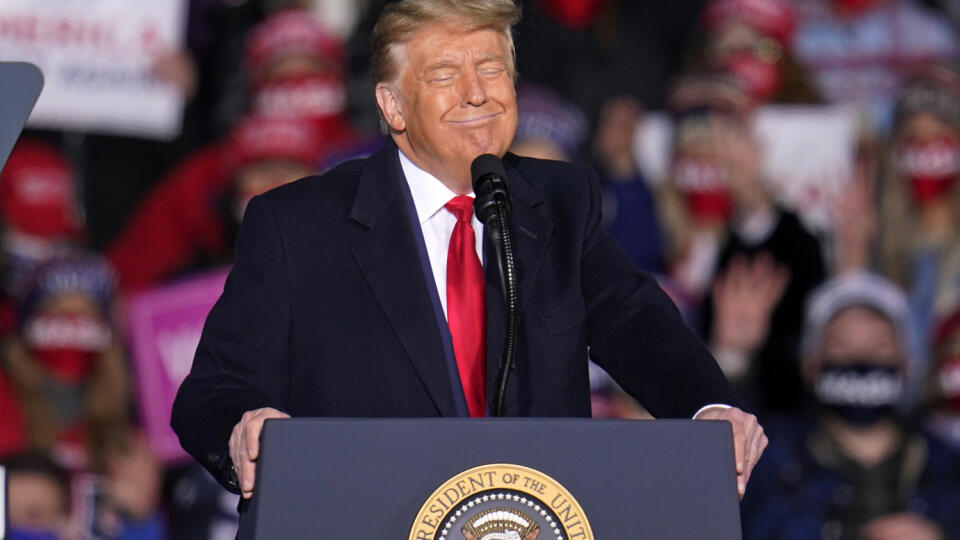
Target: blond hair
[(400, 20), (900, 230)]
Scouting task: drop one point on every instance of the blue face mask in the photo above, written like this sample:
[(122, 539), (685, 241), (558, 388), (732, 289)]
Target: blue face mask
[(19, 533), (861, 394)]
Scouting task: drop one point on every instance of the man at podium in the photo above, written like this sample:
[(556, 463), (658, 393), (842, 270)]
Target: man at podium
[(370, 291)]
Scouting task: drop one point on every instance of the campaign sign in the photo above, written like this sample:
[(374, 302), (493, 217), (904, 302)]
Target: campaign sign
[(808, 154), (164, 327), (97, 58)]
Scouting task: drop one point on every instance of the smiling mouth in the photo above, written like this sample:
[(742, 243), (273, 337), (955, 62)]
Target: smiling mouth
[(476, 121)]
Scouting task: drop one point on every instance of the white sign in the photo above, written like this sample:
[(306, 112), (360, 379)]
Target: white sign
[(808, 154), (96, 57)]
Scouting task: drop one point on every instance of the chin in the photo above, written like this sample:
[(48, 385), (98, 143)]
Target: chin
[(494, 145)]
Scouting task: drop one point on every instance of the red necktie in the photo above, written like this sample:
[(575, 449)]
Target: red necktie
[(465, 306)]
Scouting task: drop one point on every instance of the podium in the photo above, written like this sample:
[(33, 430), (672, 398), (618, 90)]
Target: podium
[(494, 479), (20, 85)]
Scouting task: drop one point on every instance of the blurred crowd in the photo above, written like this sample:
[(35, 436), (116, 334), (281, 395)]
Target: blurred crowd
[(842, 335)]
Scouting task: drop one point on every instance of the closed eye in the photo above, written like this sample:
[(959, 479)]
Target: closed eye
[(491, 71), (441, 77)]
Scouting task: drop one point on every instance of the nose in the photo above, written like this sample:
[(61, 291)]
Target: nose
[(472, 91)]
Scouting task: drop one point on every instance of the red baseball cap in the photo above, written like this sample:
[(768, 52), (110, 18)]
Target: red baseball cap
[(37, 192), (291, 31), (258, 137)]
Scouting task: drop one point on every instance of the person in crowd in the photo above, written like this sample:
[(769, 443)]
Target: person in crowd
[(551, 127), (734, 245), (548, 126), (297, 75), (855, 467), (39, 214), (39, 498), (65, 363), (191, 220), (751, 40), (695, 201), (919, 240), (860, 51), (296, 69), (629, 211), (67, 368), (943, 395)]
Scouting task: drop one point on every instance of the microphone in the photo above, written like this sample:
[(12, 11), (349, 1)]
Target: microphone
[(492, 206), (489, 186)]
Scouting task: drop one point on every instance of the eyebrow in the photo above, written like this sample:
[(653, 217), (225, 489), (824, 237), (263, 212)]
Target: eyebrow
[(443, 64), (491, 58)]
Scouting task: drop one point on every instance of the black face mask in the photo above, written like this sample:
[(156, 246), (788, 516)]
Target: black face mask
[(861, 393)]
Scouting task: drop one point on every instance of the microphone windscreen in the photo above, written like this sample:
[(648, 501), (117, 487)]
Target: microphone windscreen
[(486, 164)]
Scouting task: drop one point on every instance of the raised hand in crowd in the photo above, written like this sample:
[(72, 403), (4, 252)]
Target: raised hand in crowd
[(744, 298), (178, 68)]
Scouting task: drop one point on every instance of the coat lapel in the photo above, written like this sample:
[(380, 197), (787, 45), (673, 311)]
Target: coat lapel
[(388, 256), (531, 236)]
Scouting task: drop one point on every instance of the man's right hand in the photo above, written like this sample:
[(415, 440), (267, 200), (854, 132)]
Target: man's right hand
[(245, 445)]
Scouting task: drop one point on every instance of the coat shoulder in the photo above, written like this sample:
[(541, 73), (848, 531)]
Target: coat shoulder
[(557, 181), (543, 172)]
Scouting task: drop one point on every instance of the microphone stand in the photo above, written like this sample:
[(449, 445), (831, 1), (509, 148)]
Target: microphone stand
[(499, 226)]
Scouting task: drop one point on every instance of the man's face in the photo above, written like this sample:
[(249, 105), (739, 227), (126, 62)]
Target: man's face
[(453, 100)]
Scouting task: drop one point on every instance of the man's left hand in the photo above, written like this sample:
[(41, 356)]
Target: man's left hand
[(749, 441)]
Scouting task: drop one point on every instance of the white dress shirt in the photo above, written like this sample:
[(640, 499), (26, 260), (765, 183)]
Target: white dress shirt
[(436, 222)]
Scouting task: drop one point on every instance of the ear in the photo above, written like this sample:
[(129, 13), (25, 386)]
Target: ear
[(388, 99)]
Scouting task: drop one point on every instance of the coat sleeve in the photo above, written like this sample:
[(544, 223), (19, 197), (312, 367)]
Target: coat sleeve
[(636, 333), (241, 363)]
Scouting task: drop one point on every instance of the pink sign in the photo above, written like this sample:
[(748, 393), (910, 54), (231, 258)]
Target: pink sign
[(164, 327)]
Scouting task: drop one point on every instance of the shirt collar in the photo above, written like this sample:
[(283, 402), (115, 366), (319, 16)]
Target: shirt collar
[(429, 193)]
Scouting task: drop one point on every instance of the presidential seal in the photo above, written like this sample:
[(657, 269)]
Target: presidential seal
[(501, 502)]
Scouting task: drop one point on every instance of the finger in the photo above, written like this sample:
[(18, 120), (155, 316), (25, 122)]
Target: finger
[(773, 284), (251, 437), (758, 445), (782, 278), (234, 444), (739, 273), (249, 471), (751, 460), (739, 445), (766, 274), (764, 261)]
